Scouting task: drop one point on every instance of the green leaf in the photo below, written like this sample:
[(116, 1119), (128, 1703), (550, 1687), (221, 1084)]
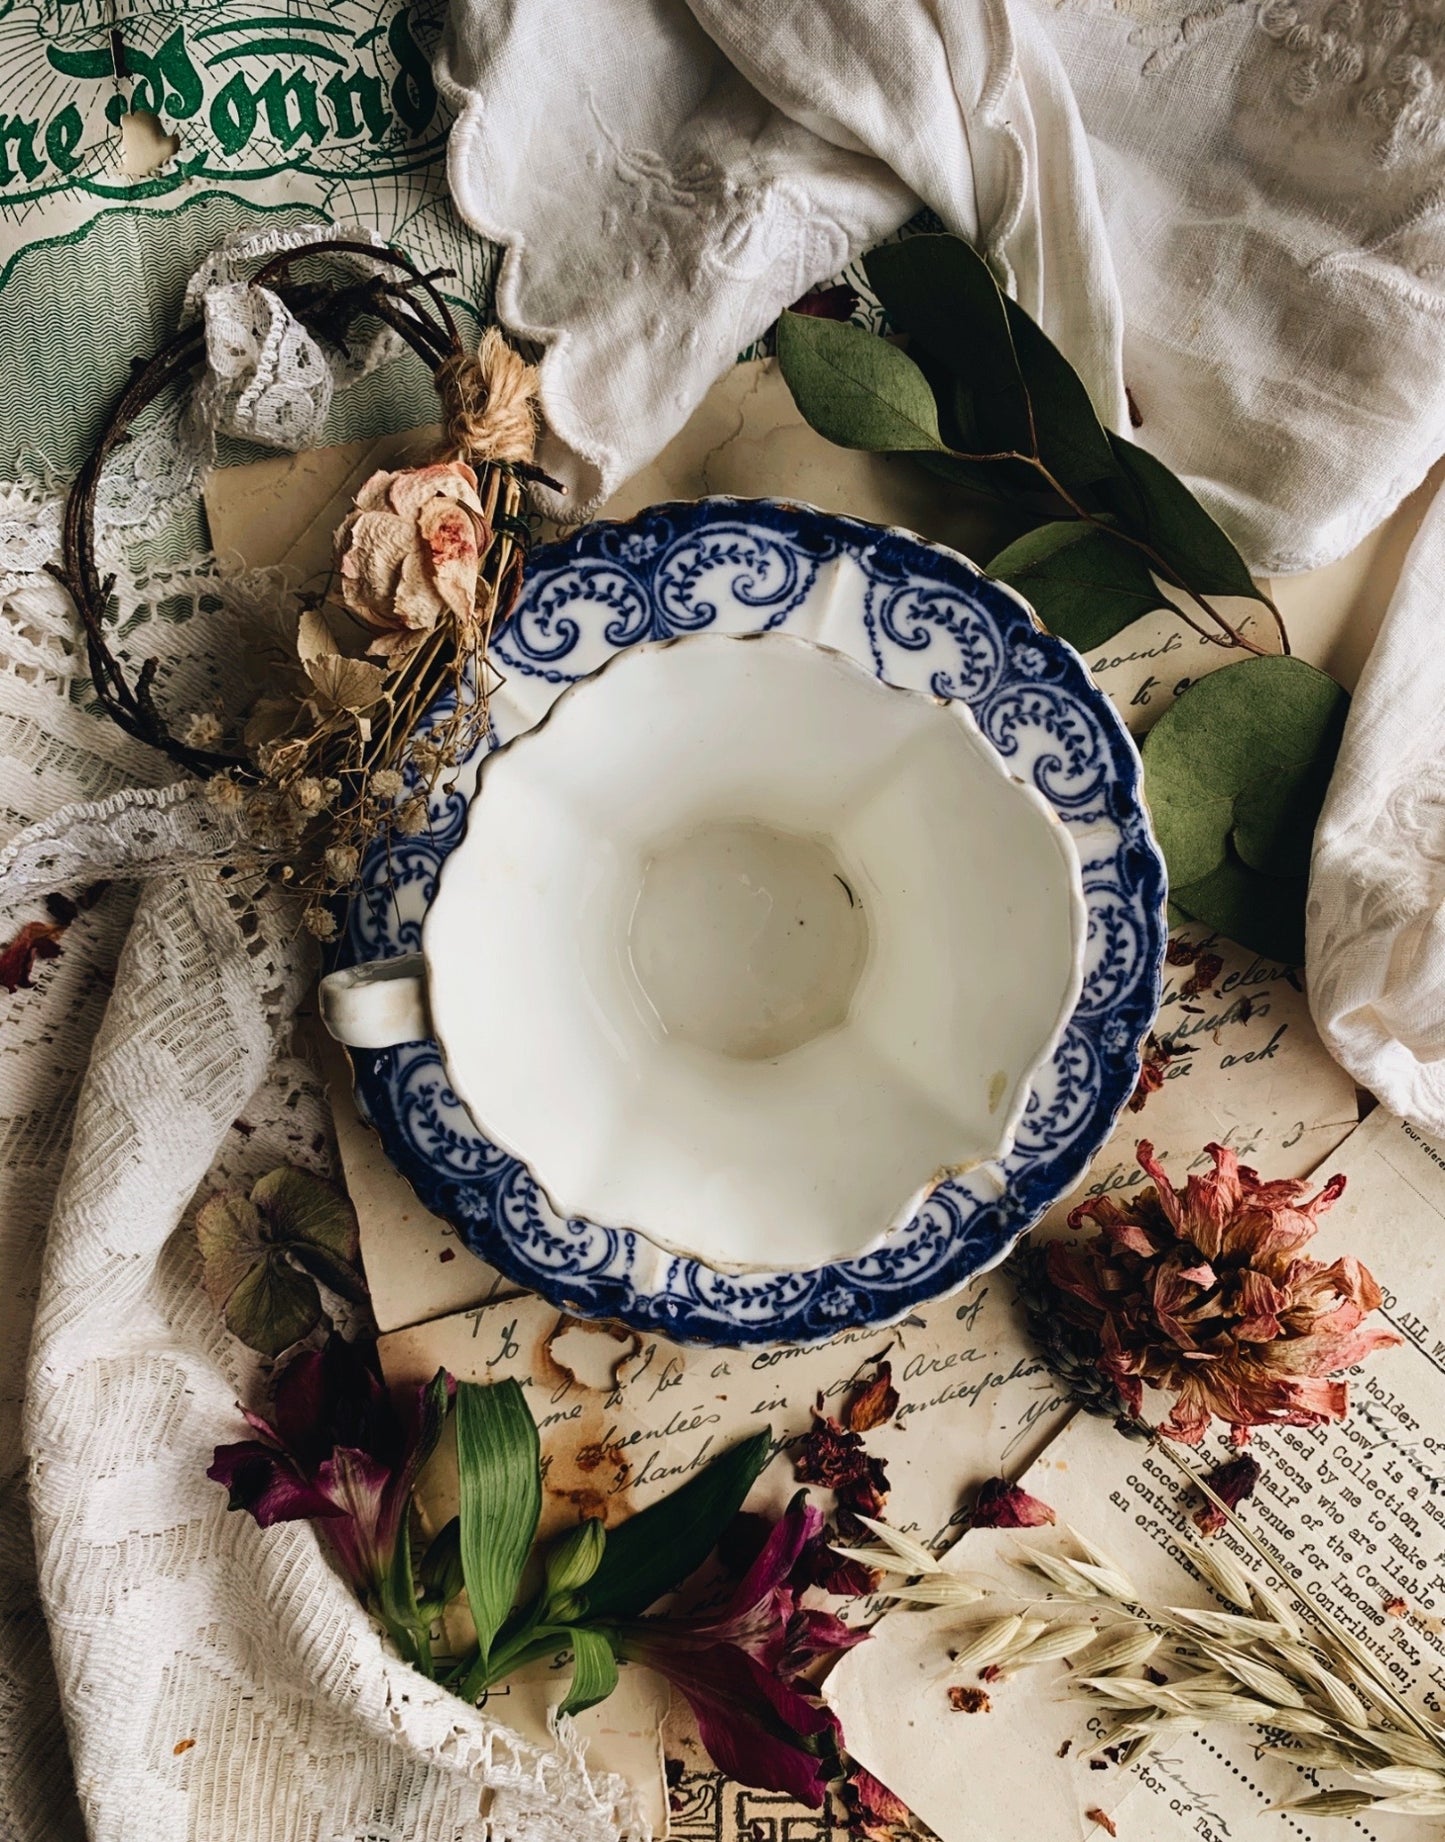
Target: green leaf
[(941, 292), (855, 388), (571, 1562), (1072, 442), (594, 1670), (1084, 584), (273, 1307), (661, 1545), (499, 1468), (1264, 913), (1235, 773), (1155, 504), (1016, 390), (440, 1572)]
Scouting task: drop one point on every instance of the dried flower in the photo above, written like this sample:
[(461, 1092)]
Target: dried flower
[(876, 1813), (739, 1670), (307, 794), (836, 1458), (202, 730), (342, 862), (1232, 1482), (386, 783), (872, 1402), (227, 794), (319, 922), (1153, 1069), (338, 1449), (408, 555), (965, 1699), (1204, 1290), (1001, 1505), (411, 820)]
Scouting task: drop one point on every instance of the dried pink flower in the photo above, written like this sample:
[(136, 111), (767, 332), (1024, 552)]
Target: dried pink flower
[(408, 555), (1205, 1291)]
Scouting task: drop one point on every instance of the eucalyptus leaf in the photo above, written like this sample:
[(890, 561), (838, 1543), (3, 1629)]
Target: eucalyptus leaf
[(1235, 773), (941, 292), (594, 1669), (655, 1550), (856, 389), (499, 1471), (1264, 913), (1082, 582), (1071, 441), (1157, 506)]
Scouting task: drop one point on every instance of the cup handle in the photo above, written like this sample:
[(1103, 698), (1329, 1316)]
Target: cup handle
[(377, 1004)]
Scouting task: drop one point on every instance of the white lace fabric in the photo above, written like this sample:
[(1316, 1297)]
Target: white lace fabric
[(212, 1679)]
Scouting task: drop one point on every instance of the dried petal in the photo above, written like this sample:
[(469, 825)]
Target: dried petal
[(1001, 1505), (872, 1403), (1233, 1482)]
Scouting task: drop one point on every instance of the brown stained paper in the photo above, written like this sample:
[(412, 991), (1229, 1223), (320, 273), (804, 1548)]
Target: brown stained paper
[(1354, 1511)]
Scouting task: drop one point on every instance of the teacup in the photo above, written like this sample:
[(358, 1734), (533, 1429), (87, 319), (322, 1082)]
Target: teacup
[(743, 949)]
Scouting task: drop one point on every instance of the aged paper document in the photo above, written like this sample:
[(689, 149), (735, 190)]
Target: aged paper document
[(1354, 1513)]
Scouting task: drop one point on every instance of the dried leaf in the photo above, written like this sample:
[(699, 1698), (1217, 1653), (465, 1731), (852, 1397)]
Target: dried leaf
[(262, 1254), (344, 684)]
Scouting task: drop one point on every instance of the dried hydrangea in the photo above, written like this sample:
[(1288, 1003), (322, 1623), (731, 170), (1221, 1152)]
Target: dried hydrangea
[(1205, 1292)]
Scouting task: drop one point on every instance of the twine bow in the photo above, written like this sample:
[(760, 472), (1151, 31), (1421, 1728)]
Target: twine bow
[(489, 403)]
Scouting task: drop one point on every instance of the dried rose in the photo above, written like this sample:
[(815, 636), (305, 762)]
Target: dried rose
[(1204, 1290), (408, 554)]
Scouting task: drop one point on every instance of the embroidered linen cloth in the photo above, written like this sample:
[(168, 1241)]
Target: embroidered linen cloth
[(1235, 209)]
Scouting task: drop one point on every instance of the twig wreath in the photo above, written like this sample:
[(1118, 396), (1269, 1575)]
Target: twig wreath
[(429, 563)]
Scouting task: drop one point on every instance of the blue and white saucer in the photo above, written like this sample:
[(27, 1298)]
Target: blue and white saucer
[(917, 616)]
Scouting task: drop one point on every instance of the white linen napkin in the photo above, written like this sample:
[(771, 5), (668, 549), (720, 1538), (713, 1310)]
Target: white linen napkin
[(1235, 210), (1375, 939)]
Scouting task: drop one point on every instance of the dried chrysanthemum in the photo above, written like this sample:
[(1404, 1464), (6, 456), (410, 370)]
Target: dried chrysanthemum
[(1205, 1291)]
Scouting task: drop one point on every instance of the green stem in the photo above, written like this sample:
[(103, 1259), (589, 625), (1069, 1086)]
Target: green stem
[(531, 1642)]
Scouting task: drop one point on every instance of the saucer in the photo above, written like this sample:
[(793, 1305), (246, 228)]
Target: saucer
[(918, 617)]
